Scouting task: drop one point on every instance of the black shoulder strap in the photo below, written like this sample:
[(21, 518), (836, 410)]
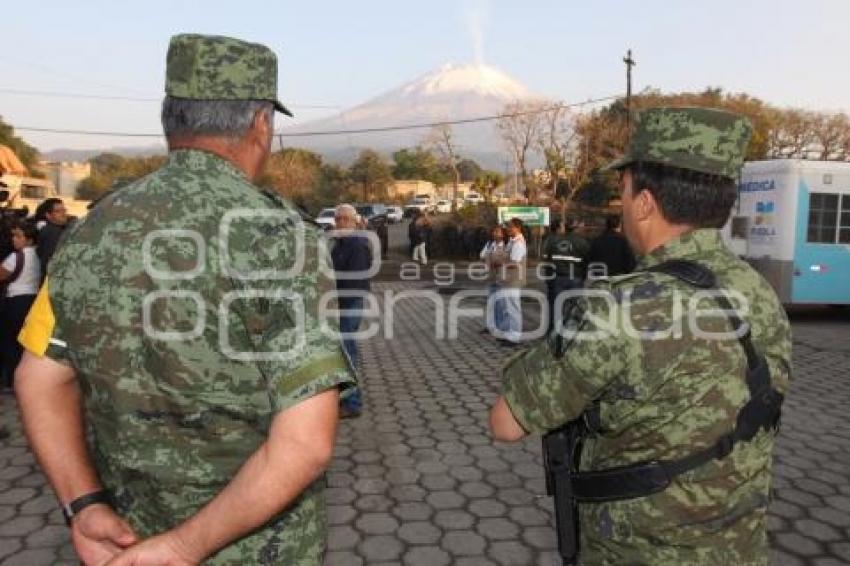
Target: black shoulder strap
[(761, 411), (691, 272), (701, 277)]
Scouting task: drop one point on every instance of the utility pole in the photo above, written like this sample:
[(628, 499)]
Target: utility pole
[(630, 62)]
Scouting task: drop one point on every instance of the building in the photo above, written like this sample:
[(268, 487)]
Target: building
[(10, 164), (403, 191), (66, 175)]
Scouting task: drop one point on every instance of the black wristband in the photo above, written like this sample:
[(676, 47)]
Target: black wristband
[(69, 510)]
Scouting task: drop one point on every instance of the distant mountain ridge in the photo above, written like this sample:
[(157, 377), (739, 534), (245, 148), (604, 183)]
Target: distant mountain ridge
[(452, 92), (85, 154)]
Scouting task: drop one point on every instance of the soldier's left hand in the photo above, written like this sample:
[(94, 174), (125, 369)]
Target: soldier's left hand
[(162, 550)]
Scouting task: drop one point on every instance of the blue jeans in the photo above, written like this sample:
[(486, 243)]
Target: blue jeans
[(513, 314), (349, 323), (496, 317)]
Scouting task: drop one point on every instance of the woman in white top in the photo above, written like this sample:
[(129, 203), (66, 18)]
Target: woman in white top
[(20, 274), (515, 268), (494, 256)]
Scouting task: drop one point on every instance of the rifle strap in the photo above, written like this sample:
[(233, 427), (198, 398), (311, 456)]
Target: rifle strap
[(761, 411)]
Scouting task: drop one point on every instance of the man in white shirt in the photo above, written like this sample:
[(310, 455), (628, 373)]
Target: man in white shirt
[(514, 271)]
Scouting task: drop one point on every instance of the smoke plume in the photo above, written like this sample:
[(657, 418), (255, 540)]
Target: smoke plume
[(476, 18)]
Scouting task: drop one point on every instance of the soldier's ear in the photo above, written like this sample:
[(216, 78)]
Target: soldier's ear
[(261, 126), (645, 205)]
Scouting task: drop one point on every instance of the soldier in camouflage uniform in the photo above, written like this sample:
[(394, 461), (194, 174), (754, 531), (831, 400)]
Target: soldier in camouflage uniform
[(657, 394), (180, 326)]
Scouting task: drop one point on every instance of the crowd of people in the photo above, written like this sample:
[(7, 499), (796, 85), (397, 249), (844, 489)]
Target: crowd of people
[(567, 257), (26, 246)]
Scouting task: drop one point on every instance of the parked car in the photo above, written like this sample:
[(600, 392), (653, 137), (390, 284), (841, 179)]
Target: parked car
[(394, 214), (444, 205), (373, 213), (327, 218), (377, 219), (474, 198), (420, 203)]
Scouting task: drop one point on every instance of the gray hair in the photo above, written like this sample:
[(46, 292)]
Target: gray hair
[(344, 210), (224, 118)]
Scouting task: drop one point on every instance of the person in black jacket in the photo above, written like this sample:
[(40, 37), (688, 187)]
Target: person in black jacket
[(55, 216), (350, 255), (611, 250), (412, 232), (566, 251)]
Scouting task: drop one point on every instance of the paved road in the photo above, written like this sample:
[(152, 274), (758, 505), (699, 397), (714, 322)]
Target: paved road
[(416, 479)]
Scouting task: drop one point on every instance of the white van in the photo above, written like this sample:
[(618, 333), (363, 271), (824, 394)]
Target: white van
[(792, 223)]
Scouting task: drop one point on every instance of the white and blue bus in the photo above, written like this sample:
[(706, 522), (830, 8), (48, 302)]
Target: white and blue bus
[(792, 223)]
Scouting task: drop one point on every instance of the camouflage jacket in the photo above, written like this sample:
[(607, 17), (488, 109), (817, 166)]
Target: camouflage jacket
[(665, 389), (188, 303)]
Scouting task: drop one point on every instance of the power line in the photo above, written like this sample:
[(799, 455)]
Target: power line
[(87, 79), (280, 135), (54, 94), (447, 122)]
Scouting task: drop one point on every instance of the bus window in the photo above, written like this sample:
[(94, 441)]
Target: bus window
[(823, 218)]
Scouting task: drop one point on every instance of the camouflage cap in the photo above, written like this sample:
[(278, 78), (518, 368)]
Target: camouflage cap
[(213, 67), (700, 139)]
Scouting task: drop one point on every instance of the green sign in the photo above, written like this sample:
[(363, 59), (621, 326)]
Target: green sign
[(530, 215)]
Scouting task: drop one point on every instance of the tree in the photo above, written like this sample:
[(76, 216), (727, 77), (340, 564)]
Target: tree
[(441, 139), (602, 134), (559, 144), (520, 129), (793, 134), (25, 152), (829, 131), (292, 172), (486, 182), (469, 170), (845, 146), (372, 173), (777, 133), (110, 171), (414, 163), (334, 187), (94, 186)]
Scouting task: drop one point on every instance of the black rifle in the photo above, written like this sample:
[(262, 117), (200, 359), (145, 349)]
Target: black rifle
[(561, 452)]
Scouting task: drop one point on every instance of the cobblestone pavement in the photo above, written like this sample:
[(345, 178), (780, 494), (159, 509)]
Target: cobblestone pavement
[(416, 479)]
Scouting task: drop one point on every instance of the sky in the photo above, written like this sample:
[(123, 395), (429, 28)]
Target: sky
[(336, 54)]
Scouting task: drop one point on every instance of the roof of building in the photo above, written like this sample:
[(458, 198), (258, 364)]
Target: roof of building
[(9, 162)]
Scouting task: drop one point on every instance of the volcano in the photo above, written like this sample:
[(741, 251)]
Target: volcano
[(452, 92)]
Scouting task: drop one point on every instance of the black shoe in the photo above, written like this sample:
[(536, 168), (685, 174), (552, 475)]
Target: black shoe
[(4, 433), (508, 343), (484, 331)]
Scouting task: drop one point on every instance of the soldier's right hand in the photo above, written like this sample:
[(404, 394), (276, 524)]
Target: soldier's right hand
[(99, 534)]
